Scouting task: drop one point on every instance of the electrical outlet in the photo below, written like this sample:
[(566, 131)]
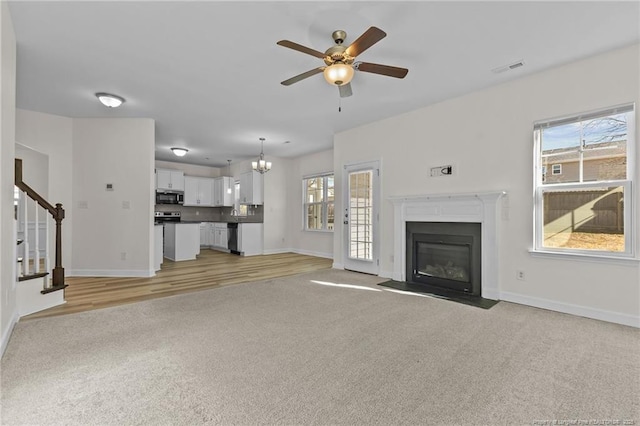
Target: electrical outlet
[(520, 275), (123, 255)]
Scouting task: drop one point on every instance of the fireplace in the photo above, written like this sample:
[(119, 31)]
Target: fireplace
[(444, 255), (483, 209)]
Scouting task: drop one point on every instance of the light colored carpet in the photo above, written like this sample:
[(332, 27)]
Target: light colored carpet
[(295, 351)]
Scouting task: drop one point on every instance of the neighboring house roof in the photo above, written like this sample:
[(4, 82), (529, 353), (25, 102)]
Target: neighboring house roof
[(602, 150)]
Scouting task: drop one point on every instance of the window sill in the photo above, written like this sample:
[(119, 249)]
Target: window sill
[(597, 258)]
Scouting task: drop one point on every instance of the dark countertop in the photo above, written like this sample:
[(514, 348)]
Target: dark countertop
[(204, 221)]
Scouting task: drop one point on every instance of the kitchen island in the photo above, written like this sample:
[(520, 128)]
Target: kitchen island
[(181, 240)]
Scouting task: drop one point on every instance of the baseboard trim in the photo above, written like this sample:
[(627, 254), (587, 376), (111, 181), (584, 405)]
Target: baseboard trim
[(299, 251), (110, 273), (313, 253), (568, 308), (337, 265), (6, 334), (278, 251)]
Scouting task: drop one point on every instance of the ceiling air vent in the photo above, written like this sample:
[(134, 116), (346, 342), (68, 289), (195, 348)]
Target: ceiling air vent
[(508, 67)]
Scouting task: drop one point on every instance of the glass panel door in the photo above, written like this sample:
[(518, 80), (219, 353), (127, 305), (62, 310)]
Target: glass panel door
[(360, 250), (360, 214)]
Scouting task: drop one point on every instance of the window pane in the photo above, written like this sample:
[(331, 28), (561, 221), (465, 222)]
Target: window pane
[(360, 212), (561, 148), (314, 190), (589, 219), (585, 151), (330, 216), (605, 148), (314, 216), (330, 192)]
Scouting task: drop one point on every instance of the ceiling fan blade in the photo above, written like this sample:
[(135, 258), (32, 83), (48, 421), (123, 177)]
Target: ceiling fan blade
[(301, 48), (382, 69), (365, 41), (302, 76), (345, 90)]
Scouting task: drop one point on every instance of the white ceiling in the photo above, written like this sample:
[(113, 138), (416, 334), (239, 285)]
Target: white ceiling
[(209, 73)]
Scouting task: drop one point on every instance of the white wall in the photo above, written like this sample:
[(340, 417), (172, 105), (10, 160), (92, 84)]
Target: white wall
[(307, 242), (110, 238), (276, 215), (191, 169), (52, 135), (487, 136), (8, 306)]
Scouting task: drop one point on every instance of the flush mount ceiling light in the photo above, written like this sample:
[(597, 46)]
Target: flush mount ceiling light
[(261, 166), (109, 100), (180, 152)]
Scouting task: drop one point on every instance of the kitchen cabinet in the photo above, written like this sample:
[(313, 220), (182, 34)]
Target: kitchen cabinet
[(250, 238), (198, 191), (181, 240), (205, 239), (169, 180), (219, 231), (223, 192), (251, 188)]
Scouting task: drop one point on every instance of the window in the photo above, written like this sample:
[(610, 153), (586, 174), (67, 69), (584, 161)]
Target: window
[(319, 202), (584, 206), (241, 209)]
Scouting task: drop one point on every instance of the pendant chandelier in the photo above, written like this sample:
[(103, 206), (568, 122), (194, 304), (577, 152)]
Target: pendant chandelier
[(261, 165)]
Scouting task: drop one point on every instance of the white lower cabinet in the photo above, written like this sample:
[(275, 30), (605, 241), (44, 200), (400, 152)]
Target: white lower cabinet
[(181, 241), (205, 240), (214, 235), (220, 235), (250, 238)]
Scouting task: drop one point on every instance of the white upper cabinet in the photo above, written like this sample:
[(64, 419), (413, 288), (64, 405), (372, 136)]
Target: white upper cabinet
[(223, 192), (251, 188), (198, 191), (169, 180)]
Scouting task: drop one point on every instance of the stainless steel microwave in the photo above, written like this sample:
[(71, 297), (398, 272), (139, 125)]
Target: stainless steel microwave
[(169, 198)]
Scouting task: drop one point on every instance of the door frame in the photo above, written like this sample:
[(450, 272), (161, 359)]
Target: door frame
[(373, 266)]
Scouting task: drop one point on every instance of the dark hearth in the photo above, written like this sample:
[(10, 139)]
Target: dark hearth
[(444, 255)]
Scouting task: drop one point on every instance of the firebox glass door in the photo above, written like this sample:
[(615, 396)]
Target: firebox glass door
[(445, 261)]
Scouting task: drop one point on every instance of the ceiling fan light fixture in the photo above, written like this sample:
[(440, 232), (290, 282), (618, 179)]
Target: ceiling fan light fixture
[(338, 74), (109, 100), (180, 152)]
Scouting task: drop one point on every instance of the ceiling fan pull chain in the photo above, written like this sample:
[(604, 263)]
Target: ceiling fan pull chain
[(339, 104)]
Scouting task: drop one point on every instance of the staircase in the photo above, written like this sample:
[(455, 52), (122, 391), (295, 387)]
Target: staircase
[(37, 289)]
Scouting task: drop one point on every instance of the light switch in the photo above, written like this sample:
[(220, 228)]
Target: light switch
[(126, 205)]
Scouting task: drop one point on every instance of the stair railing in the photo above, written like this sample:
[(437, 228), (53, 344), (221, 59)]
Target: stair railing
[(57, 212)]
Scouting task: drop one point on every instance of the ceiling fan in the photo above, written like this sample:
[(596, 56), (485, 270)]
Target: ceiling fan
[(340, 60)]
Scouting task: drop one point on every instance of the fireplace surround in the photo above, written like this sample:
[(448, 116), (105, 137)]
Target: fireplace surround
[(480, 208)]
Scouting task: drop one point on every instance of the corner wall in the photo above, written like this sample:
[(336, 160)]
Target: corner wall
[(52, 135), (488, 137), (314, 243), (8, 305), (113, 230)]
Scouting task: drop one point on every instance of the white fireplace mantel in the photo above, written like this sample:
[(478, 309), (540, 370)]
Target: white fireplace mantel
[(480, 208)]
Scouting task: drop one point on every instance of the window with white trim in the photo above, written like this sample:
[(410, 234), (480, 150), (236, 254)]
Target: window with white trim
[(318, 202), (584, 205)]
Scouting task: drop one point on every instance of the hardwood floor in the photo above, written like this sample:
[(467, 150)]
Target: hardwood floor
[(211, 269)]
